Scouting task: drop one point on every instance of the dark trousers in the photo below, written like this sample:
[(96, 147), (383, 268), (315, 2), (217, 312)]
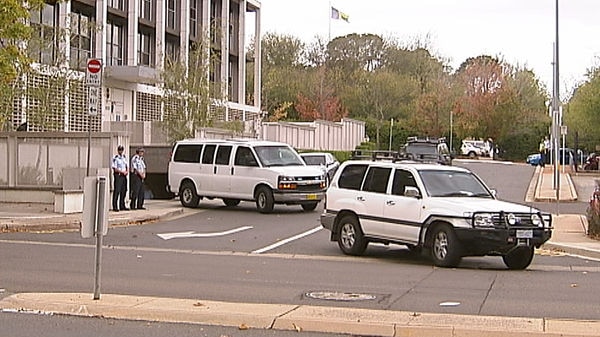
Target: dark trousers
[(120, 191), (137, 192)]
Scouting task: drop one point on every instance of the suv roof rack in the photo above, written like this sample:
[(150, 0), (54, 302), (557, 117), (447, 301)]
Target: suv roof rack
[(377, 155), (415, 139)]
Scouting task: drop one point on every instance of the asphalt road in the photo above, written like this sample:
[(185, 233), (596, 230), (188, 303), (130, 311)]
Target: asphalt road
[(240, 255)]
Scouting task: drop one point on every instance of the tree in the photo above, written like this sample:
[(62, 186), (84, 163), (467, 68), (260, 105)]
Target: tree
[(14, 61), (188, 93), (582, 111)]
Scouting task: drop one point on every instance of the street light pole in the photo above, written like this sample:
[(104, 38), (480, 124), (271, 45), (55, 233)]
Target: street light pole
[(556, 112), (451, 113)]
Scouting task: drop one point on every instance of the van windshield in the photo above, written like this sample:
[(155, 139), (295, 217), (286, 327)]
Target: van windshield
[(277, 156)]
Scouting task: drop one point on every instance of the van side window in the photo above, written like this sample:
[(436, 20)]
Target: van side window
[(244, 157), (377, 179), (402, 179), (223, 154), (352, 177), (208, 154), (188, 153)]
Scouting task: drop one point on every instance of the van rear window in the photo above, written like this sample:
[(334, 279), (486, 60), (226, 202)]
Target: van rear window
[(188, 153)]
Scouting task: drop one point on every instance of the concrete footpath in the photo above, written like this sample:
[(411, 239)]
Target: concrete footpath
[(569, 236)]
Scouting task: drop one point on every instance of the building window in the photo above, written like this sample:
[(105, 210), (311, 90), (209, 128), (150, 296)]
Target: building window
[(42, 47), (147, 9), (193, 18), (146, 48), (118, 4), (115, 44), (172, 48), (171, 17), (81, 40)]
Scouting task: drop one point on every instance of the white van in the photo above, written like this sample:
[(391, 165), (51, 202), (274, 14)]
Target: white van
[(233, 170)]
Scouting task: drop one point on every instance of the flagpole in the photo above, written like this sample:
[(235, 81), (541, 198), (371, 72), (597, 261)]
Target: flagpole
[(329, 34)]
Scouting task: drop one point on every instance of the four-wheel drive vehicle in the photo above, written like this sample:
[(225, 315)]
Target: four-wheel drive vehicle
[(445, 212), (427, 150), (233, 170), (474, 148)]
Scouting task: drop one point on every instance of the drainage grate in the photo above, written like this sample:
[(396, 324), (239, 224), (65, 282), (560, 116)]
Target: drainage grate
[(338, 296)]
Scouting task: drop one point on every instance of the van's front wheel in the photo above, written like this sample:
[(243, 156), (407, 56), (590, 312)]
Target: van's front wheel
[(264, 200)]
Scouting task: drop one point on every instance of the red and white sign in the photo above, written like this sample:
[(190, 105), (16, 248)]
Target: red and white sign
[(93, 75)]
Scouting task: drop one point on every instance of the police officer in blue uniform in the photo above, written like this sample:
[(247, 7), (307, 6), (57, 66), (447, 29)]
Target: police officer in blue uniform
[(120, 169), (138, 174)]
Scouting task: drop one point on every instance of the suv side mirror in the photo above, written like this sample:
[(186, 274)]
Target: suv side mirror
[(412, 192)]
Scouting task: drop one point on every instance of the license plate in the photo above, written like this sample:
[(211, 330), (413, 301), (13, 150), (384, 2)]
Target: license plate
[(524, 233), (311, 197)]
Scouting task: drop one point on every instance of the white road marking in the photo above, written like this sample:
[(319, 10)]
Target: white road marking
[(290, 239), (192, 234)]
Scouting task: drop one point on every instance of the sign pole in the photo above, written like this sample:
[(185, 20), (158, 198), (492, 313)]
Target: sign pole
[(99, 233), (93, 79)]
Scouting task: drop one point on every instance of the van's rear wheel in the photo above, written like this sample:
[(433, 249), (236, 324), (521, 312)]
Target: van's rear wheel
[(188, 195), (264, 200)]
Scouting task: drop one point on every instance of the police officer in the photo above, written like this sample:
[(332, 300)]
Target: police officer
[(138, 174), (120, 169)]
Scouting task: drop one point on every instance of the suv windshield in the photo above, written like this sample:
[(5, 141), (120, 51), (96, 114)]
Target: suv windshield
[(277, 156), (453, 184)]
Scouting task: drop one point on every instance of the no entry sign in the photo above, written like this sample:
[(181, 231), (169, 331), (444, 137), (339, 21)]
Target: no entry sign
[(93, 75)]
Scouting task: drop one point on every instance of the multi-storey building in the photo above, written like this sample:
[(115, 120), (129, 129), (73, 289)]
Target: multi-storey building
[(133, 38)]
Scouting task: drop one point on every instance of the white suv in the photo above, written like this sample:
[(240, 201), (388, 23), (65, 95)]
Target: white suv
[(474, 148), (233, 170), (444, 211)]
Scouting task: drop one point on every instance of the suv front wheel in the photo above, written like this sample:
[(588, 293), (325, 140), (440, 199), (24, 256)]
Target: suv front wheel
[(350, 238), (519, 258), (445, 248)]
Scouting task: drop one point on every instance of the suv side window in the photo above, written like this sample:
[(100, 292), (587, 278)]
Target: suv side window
[(188, 153), (208, 154), (352, 177), (377, 179), (223, 154), (402, 179), (244, 157)]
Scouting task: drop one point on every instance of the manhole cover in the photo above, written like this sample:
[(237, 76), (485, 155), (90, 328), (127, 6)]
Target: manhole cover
[(338, 296)]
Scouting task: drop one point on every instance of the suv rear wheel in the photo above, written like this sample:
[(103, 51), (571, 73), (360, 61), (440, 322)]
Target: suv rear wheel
[(350, 238), (519, 258), (445, 248), (188, 196)]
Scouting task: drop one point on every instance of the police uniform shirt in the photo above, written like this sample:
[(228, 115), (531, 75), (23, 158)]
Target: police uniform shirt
[(138, 164), (119, 162)]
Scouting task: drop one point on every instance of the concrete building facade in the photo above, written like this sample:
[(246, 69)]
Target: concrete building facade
[(133, 38)]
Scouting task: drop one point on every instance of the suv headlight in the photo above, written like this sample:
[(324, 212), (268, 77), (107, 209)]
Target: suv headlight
[(536, 220), (483, 220)]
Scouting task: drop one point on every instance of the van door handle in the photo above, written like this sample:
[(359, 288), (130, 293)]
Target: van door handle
[(215, 169), (360, 198), (232, 170), (390, 202)]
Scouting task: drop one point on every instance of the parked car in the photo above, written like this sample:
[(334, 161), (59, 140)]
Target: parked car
[(534, 159), (474, 148), (326, 161), (427, 150), (445, 212), (267, 173), (566, 156)]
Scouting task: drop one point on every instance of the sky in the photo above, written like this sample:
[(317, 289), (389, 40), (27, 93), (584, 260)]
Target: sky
[(521, 32)]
